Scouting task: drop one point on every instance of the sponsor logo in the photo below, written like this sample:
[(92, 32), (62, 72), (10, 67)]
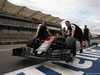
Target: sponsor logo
[(87, 63)]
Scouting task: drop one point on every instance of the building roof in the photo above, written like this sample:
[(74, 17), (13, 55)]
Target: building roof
[(7, 7)]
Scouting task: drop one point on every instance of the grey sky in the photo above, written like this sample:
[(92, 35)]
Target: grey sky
[(81, 12)]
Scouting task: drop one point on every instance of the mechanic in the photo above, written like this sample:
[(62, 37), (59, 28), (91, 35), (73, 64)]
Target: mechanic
[(76, 32), (86, 34), (42, 31), (64, 29)]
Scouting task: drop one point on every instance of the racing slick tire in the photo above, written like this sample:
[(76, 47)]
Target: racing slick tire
[(30, 42), (70, 44), (33, 43)]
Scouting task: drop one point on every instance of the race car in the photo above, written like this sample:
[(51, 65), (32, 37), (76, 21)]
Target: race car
[(53, 48)]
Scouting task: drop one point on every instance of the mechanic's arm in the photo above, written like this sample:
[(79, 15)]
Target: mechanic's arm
[(90, 34), (73, 32), (70, 33), (49, 33), (37, 32), (64, 33)]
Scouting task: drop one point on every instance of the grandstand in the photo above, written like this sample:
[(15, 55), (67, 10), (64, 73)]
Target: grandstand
[(19, 23)]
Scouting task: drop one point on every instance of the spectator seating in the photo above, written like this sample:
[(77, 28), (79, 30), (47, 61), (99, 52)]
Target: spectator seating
[(14, 35)]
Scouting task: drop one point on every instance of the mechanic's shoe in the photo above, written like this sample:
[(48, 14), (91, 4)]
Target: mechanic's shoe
[(84, 46), (81, 51)]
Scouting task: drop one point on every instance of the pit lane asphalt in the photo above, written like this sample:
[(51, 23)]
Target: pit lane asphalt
[(10, 63)]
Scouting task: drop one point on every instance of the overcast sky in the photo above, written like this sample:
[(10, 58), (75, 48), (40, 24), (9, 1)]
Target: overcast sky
[(80, 12)]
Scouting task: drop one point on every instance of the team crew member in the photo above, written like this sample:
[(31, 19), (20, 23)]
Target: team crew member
[(86, 33), (64, 29), (76, 32), (42, 31)]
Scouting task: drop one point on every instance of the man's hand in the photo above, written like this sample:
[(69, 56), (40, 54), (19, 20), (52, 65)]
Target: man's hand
[(53, 36), (60, 37)]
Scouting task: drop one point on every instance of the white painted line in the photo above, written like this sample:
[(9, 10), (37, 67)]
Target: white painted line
[(86, 57), (87, 64), (92, 50), (90, 55), (89, 47)]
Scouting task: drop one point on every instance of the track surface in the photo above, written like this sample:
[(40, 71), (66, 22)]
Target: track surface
[(10, 63)]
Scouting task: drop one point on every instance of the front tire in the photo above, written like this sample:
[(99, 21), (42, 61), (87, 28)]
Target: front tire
[(33, 43), (70, 44)]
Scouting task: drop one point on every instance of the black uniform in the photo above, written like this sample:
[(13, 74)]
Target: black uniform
[(42, 33), (78, 33), (86, 34)]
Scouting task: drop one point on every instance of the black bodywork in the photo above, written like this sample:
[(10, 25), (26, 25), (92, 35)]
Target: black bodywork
[(53, 48)]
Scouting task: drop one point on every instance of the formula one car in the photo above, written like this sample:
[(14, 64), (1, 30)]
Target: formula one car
[(53, 48)]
